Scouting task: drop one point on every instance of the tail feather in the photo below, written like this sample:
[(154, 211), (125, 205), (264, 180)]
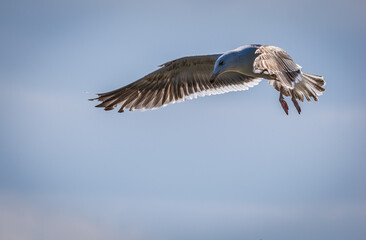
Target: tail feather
[(311, 86)]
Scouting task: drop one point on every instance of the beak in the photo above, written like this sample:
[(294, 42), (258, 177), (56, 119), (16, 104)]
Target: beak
[(213, 77)]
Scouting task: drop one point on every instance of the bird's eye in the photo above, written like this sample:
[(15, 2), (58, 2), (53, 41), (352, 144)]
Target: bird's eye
[(221, 63)]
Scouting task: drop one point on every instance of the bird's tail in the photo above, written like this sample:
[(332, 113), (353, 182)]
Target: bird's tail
[(311, 86)]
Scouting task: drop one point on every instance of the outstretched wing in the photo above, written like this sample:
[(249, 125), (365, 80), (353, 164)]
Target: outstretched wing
[(177, 80), (277, 64)]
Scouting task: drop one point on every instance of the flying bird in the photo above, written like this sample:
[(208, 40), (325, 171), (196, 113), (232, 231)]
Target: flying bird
[(235, 70)]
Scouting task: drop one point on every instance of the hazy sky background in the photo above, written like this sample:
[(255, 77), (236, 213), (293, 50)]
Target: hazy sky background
[(231, 166)]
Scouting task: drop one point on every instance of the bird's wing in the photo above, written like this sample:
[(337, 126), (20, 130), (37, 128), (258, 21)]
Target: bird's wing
[(277, 64), (175, 81)]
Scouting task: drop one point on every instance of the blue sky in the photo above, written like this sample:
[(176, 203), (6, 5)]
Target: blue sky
[(231, 166)]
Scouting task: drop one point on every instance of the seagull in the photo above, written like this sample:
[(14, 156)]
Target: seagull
[(204, 75)]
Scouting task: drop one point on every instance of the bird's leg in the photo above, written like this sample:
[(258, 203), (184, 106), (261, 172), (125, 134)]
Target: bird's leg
[(293, 98), (283, 102)]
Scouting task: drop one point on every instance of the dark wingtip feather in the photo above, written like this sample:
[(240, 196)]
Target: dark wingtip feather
[(100, 105), (108, 108)]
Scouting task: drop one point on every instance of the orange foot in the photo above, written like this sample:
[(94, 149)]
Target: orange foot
[(296, 105), (284, 105)]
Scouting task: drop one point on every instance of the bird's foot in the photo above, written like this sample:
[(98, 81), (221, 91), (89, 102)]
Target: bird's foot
[(296, 105), (284, 105)]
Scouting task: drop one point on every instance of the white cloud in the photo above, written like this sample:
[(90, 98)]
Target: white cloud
[(20, 220), (100, 217)]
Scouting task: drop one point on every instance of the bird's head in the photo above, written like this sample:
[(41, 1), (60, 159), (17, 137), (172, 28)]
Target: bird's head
[(225, 63)]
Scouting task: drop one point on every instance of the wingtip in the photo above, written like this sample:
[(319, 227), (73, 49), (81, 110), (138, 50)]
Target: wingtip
[(95, 99), (100, 105), (108, 108)]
